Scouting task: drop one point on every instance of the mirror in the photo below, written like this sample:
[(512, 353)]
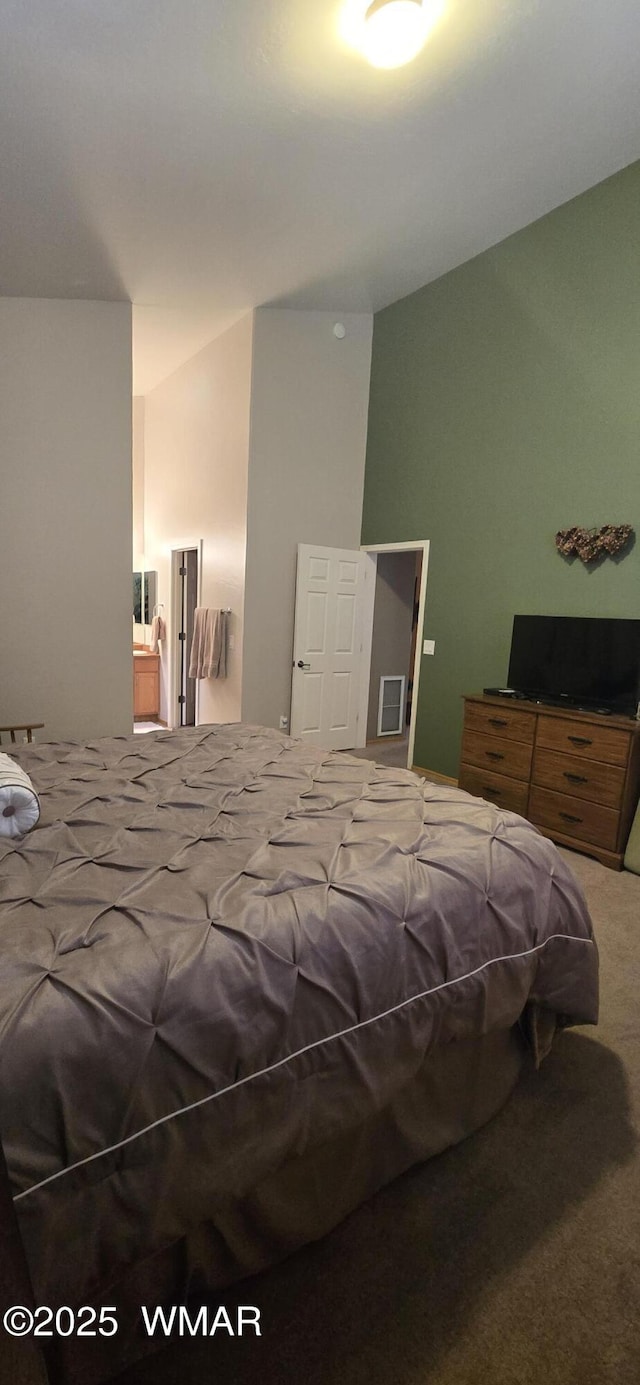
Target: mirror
[(147, 581)]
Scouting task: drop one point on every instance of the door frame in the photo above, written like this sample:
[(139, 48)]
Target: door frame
[(372, 550), (173, 717)]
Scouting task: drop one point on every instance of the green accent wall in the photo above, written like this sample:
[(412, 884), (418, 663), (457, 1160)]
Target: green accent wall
[(505, 405)]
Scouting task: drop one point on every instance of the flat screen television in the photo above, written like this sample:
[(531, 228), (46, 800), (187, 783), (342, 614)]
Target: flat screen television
[(585, 661)]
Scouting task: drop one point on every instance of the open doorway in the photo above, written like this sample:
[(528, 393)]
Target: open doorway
[(332, 645), (394, 639), (185, 585), (395, 658), (393, 647)]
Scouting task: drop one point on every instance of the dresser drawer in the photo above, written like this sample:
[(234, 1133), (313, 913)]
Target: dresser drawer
[(574, 817), (507, 793), (508, 722), (492, 752), (601, 783), (586, 739)]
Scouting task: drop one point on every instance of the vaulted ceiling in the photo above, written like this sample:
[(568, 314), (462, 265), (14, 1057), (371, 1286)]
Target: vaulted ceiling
[(203, 157)]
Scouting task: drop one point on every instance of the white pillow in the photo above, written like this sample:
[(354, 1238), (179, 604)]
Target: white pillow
[(19, 802)]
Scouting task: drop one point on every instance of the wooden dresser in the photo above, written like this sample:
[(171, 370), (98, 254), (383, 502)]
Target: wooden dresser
[(576, 775)]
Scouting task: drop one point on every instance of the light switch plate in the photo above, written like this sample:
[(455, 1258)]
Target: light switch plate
[(429, 647)]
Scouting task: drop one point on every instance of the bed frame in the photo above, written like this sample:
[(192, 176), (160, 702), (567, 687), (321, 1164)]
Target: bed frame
[(29, 727), (456, 1090)]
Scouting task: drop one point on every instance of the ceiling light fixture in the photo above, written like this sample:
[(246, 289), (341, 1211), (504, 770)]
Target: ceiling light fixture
[(394, 31)]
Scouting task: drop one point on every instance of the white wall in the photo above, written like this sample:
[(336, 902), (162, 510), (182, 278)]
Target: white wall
[(65, 506), (309, 404), (138, 481), (196, 448)]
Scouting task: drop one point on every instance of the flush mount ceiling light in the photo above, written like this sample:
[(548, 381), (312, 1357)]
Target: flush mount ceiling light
[(389, 33), (394, 32)]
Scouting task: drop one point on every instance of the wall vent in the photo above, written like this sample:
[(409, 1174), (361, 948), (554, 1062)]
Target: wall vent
[(391, 705)]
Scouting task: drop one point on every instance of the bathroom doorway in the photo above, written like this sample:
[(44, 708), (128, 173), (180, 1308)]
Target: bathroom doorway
[(185, 584)]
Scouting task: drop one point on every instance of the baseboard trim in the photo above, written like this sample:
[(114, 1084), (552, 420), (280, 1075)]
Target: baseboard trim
[(434, 774)]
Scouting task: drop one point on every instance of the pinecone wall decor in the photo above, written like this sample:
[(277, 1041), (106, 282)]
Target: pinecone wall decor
[(591, 544)]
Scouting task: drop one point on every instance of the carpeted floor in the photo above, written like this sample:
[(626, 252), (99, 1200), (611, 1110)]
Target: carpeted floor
[(391, 753), (512, 1259)]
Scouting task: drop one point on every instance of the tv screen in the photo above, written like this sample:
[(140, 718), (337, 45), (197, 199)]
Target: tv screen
[(589, 662)]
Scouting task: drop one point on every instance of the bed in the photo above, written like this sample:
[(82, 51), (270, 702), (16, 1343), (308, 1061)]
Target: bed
[(244, 982)]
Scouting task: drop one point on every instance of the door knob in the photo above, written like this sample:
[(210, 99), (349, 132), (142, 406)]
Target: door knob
[(301, 664)]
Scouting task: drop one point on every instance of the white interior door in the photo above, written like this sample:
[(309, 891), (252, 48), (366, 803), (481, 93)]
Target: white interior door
[(332, 611)]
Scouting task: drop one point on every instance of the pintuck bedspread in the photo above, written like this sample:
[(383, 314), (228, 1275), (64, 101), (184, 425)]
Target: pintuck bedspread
[(220, 949)]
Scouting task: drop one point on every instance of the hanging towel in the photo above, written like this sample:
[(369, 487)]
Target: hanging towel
[(158, 632), (208, 658), (19, 802)]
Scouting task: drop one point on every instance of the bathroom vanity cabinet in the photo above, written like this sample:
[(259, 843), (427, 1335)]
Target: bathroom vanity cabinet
[(146, 684)]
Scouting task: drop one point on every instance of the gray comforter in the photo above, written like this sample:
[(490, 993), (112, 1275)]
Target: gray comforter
[(220, 946)]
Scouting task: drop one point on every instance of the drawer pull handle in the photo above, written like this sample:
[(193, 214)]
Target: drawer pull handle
[(570, 817), (494, 755), (488, 789), (576, 778), (497, 721), (580, 740)]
